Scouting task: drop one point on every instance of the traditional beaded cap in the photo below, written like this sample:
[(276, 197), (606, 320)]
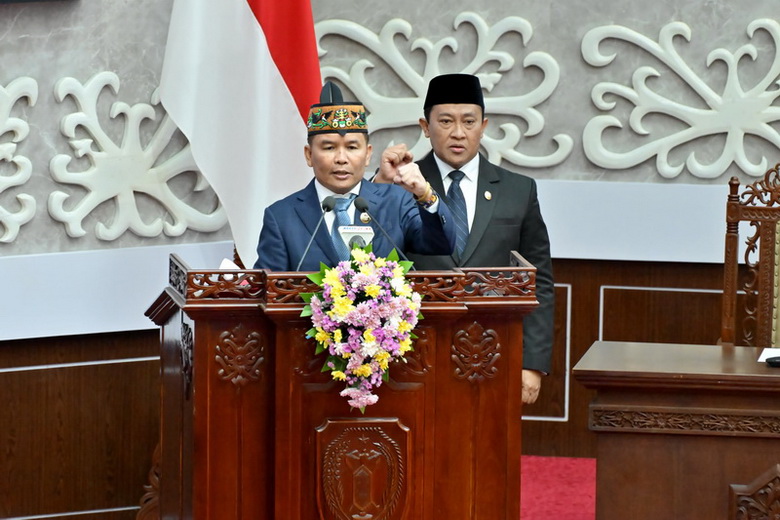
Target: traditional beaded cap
[(332, 114)]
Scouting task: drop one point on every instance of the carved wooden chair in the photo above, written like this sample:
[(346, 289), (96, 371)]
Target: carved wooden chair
[(753, 285)]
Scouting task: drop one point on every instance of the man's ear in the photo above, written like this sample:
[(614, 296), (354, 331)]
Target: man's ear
[(424, 126), (369, 149), (307, 154)]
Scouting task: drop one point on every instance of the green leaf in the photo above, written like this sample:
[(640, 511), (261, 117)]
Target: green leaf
[(316, 277), (406, 265), (326, 368), (320, 349), (393, 256), (311, 332), (338, 362), (306, 311), (306, 296), (385, 376)]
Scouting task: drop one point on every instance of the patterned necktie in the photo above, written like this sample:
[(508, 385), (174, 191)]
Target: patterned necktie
[(342, 219), (457, 205)]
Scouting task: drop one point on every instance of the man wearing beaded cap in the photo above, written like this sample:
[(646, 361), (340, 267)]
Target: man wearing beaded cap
[(409, 211), (496, 210)]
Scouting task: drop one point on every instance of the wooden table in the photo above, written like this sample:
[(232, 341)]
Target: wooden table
[(684, 431)]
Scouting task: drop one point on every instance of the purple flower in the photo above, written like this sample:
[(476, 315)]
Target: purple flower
[(359, 398), (371, 290)]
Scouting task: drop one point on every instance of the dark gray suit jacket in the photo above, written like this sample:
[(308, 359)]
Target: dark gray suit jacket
[(508, 220)]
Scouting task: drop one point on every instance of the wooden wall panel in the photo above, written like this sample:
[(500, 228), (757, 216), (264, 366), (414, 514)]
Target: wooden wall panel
[(81, 438), (553, 402), (660, 314), (641, 301), (78, 423)]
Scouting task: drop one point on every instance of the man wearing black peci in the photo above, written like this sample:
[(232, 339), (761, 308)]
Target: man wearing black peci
[(496, 211)]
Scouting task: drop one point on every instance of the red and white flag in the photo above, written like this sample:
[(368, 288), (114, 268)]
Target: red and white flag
[(238, 79)]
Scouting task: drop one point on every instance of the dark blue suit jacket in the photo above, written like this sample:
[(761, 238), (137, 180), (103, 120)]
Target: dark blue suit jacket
[(289, 223)]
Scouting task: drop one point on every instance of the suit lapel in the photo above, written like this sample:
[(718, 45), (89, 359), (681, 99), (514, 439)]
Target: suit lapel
[(488, 181), (370, 192), (430, 171), (308, 210)]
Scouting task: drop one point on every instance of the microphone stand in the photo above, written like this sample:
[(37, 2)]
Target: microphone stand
[(328, 204)]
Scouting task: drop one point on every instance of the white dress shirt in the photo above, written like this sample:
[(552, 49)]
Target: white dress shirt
[(468, 185), (330, 216)]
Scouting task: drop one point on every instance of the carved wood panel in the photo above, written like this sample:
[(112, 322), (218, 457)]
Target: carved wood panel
[(751, 423), (475, 353), (362, 467), (758, 500), (239, 354)]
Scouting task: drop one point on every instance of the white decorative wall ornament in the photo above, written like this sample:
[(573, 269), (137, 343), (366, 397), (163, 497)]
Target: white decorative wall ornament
[(19, 88), (400, 112), (119, 171), (734, 113)]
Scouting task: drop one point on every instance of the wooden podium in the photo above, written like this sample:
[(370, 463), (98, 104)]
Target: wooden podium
[(251, 429)]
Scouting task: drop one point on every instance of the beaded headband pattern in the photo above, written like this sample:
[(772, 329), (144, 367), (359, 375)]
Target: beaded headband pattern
[(336, 118)]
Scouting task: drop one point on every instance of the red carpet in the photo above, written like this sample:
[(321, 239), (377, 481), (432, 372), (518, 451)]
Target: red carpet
[(558, 488)]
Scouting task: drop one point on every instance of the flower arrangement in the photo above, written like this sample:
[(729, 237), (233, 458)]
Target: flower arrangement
[(363, 318)]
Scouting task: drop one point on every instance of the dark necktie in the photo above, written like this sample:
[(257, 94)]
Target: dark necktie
[(342, 219), (457, 205)]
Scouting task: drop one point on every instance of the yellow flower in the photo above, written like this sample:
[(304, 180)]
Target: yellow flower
[(368, 336), (405, 345), (362, 371), (373, 290), (337, 290), (338, 375), (404, 290), (398, 272), (367, 269), (380, 262), (337, 335), (359, 255), (342, 306), (383, 358), (322, 336), (331, 277), (336, 287), (404, 326)]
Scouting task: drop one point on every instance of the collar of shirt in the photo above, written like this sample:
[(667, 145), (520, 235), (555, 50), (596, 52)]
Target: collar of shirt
[(470, 171), (469, 187), (323, 192)]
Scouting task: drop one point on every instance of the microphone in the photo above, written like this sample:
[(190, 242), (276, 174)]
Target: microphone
[(361, 205), (356, 236), (356, 241), (328, 203)]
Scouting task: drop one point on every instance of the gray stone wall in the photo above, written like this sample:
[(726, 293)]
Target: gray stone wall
[(544, 80), (632, 116)]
